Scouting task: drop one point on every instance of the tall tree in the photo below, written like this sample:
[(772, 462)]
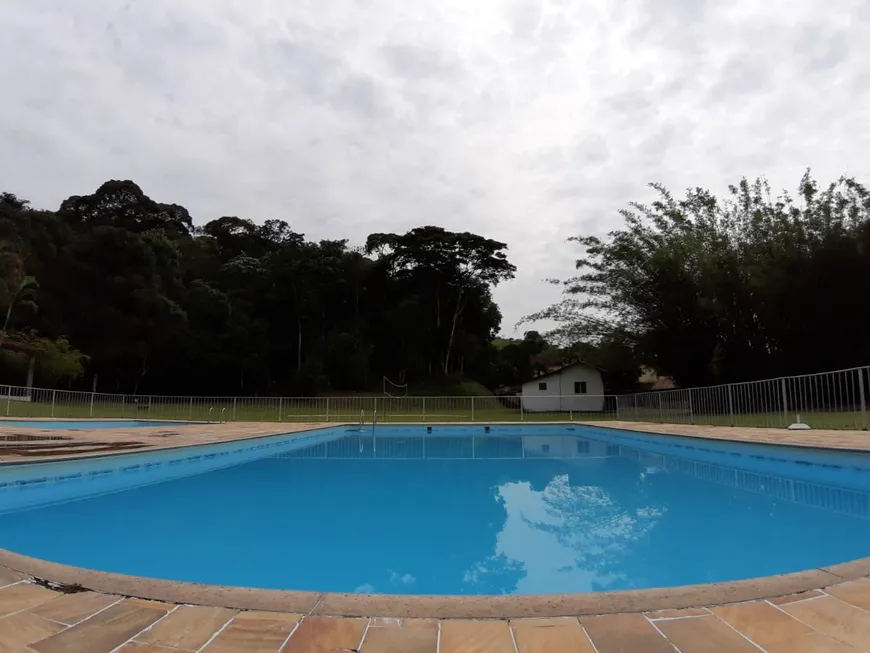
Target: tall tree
[(456, 264), (712, 290)]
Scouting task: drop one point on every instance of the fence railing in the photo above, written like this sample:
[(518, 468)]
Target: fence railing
[(18, 402), (836, 400)]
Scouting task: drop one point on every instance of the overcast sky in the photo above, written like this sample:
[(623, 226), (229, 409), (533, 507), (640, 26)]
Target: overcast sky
[(525, 121)]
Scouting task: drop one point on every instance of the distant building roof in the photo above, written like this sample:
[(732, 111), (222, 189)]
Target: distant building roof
[(561, 368)]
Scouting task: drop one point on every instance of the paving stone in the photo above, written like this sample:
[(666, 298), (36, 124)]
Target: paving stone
[(856, 592), (104, 632), (400, 640), (777, 632), (467, 636), (547, 635), (15, 598), (189, 627), (21, 629), (70, 609), (841, 620), (616, 633), (255, 632), (704, 635)]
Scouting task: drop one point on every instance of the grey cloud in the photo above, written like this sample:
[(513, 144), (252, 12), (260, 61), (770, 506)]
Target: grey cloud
[(418, 63), (302, 65), (361, 95), (632, 101), (822, 51), (524, 120), (523, 17), (741, 76), (592, 148)]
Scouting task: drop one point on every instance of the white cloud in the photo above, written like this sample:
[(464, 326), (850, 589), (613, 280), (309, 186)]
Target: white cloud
[(524, 120)]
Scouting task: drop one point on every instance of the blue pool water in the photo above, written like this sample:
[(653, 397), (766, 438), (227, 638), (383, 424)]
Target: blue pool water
[(82, 424), (515, 511)]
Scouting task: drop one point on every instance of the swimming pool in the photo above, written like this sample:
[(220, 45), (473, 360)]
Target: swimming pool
[(517, 510), (83, 424)]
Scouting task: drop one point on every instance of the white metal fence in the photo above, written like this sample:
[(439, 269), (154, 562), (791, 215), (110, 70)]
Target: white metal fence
[(836, 400), (828, 400), (18, 402)]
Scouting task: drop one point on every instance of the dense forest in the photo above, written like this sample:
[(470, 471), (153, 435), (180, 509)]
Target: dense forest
[(121, 289), (712, 290), (117, 289)]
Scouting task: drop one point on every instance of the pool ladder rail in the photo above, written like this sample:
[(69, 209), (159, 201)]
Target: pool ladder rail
[(220, 420)]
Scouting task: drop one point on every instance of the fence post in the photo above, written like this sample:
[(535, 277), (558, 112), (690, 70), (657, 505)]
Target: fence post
[(730, 405), (863, 399), (424, 409), (280, 408), (784, 402), (615, 399), (661, 414), (190, 410), (93, 393), (53, 399), (472, 409), (691, 408), (522, 411), (8, 399), (235, 400), (636, 418), (327, 409)]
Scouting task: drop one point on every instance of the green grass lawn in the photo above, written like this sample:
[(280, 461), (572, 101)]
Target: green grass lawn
[(331, 409), (392, 410)]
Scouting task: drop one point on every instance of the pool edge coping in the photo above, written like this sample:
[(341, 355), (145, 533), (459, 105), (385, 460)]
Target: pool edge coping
[(438, 606), (434, 606)]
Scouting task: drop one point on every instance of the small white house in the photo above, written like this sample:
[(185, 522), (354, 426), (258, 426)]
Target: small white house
[(576, 387)]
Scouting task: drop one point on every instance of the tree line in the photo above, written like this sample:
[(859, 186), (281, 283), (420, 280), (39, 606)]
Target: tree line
[(122, 290), (711, 290)]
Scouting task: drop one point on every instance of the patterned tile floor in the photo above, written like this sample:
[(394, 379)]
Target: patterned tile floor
[(29, 445), (37, 619)]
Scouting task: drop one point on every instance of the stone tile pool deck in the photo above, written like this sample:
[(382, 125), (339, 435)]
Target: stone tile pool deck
[(815, 610)]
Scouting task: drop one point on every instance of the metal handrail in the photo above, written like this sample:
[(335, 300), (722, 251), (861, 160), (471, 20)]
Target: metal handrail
[(210, 411), (223, 410)]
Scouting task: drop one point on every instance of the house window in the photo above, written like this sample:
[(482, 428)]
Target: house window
[(579, 387), (542, 386)]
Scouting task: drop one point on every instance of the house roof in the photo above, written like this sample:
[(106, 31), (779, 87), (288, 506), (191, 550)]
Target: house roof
[(553, 371)]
